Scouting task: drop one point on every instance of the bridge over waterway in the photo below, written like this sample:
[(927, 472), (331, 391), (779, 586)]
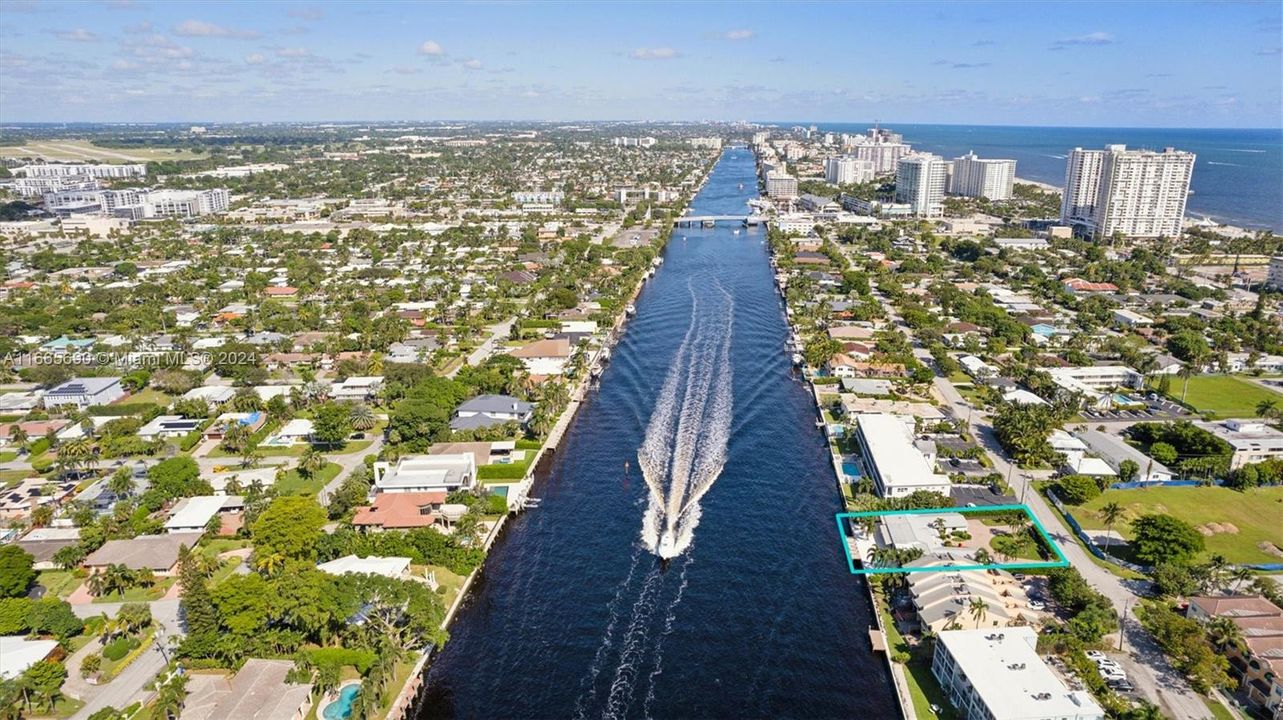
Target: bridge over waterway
[(712, 220)]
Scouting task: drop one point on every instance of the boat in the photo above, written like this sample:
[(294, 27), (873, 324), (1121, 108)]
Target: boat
[(797, 359), (737, 232), (631, 310), (657, 262)]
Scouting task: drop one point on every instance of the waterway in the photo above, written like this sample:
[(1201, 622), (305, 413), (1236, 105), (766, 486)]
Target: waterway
[(575, 616)]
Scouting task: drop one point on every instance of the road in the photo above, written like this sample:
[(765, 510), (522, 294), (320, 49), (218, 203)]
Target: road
[(129, 686), (498, 333), (348, 463), (1147, 666)]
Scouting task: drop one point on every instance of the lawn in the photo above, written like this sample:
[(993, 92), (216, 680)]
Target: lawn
[(140, 593), (59, 583), (1252, 516), (449, 581), (924, 689), (1225, 395), (149, 395), (291, 483), (83, 150)]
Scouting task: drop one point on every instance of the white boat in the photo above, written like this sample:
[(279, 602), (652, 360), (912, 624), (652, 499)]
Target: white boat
[(737, 232), (631, 309), (657, 262), (797, 359)]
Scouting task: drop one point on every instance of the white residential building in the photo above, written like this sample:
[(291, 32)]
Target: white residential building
[(1253, 441), (1138, 193), (997, 674), (982, 177), (85, 392), (392, 567), (847, 170), (920, 181), (427, 473), (780, 186), (85, 169), (194, 513), (1274, 279), (897, 466)]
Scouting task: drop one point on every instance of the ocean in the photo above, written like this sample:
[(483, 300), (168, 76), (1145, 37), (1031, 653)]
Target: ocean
[(1238, 174)]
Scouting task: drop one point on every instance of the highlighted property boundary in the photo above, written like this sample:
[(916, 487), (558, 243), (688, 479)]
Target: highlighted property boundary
[(843, 517)]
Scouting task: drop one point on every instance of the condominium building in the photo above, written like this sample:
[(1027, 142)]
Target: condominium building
[(998, 675), (982, 177), (1274, 280), (897, 467), (709, 143), (82, 170), (920, 181), (1137, 193), (780, 186), (846, 170)]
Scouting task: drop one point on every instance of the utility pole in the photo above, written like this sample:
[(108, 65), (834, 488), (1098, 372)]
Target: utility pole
[(1122, 617)]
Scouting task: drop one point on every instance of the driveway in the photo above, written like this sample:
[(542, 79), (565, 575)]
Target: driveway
[(129, 686), (498, 333)]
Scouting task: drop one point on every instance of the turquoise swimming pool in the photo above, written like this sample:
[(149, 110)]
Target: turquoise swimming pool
[(341, 709), (851, 468)]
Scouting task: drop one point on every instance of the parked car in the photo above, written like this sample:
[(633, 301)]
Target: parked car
[(1095, 655), (1120, 685), (1036, 604)]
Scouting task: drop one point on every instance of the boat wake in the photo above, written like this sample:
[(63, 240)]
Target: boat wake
[(685, 444)]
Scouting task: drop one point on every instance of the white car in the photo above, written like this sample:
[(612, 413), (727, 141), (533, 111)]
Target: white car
[(1036, 605), (1095, 655)]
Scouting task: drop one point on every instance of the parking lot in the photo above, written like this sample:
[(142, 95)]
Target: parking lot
[(1156, 408)]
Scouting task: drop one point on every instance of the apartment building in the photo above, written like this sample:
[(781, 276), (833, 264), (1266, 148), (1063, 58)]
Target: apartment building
[(920, 181), (780, 186), (982, 177), (846, 170), (897, 467), (1137, 193), (51, 170)]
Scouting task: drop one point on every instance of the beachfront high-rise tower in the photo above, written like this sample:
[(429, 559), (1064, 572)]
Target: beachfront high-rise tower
[(1136, 193)]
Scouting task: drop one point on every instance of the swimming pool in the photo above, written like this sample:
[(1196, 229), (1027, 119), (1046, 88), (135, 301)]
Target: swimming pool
[(851, 468), (341, 708)]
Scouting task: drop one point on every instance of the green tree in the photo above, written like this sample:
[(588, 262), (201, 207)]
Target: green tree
[(1163, 538), (1110, 513), (43, 681), (289, 527), (331, 424), (16, 573)]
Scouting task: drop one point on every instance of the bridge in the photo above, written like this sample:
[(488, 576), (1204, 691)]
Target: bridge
[(712, 220)]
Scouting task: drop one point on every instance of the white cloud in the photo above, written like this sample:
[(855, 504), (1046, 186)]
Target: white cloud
[(473, 64), (658, 53), (255, 59), (201, 28), (431, 47), (1094, 38), (295, 52), (740, 34), (76, 35)]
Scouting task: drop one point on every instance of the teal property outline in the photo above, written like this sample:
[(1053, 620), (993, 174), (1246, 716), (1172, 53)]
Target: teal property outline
[(1061, 560)]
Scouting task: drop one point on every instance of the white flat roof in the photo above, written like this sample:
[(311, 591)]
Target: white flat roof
[(890, 446), (196, 511), (387, 566), (20, 653), (1007, 673)]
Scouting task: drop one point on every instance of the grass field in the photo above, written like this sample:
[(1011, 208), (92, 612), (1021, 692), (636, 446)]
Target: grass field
[(85, 151), (291, 483), (1254, 514), (1225, 395)]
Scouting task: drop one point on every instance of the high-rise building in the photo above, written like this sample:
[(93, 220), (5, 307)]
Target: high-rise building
[(85, 169), (844, 170), (1274, 279), (920, 181), (780, 186), (1137, 193), (982, 177)]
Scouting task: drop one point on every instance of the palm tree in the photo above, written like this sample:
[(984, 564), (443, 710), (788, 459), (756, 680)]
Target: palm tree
[(1189, 370), (978, 610), (1224, 634), (18, 436), (269, 563), (121, 483), (363, 417), (312, 462), (1268, 409), (1110, 513), (1242, 575)]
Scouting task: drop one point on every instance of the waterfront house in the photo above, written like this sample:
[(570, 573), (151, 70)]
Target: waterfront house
[(158, 553), (486, 410), (896, 466), (544, 357), (258, 691), (426, 473)]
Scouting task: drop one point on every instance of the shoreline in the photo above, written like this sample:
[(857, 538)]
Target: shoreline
[(902, 695), (411, 693)]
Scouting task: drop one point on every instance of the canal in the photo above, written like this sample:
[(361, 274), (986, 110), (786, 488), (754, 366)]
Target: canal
[(575, 616)]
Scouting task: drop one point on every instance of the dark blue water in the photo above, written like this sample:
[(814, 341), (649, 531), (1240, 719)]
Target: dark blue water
[(759, 618), (1238, 174)]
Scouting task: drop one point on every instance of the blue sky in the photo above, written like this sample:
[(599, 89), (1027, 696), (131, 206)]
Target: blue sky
[(1112, 64)]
